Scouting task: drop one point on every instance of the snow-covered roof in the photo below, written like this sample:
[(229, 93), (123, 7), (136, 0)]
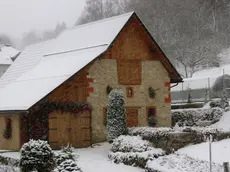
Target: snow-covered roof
[(89, 35), (10, 51), (5, 59), (6, 54), (42, 67)]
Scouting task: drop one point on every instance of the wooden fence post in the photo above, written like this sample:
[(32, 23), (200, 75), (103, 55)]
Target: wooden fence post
[(226, 166)]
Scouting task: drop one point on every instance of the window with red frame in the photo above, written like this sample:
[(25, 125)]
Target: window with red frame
[(151, 116)]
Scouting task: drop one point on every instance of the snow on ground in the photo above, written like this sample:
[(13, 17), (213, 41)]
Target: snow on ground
[(181, 163), (4, 168), (92, 160), (14, 155), (224, 122), (220, 151), (96, 160)]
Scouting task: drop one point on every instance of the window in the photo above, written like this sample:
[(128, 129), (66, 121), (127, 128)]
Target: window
[(129, 72), (151, 116), (131, 116), (130, 92)]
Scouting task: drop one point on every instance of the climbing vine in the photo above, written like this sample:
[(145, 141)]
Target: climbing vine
[(7, 133), (36, 121), (152, 92)]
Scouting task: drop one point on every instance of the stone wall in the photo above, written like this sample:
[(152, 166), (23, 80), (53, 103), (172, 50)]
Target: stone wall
[(14, 142), (104, 72)]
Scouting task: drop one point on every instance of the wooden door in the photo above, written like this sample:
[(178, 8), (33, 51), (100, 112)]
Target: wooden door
[(132, 117), (81, 130), (64, 129), (75, 124), (85, 129), (71, 129), (53, 131)]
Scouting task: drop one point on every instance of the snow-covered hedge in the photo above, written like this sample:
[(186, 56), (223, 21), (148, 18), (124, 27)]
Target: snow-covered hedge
[(130, 144), (157, 132), (132, 150), (192, 117), (205, 133), (66, 153), (9, 161), (68, 166), (37, 155), (180, 163), (173, 139)]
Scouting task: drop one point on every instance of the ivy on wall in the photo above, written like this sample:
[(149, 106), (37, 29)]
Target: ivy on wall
[(7, 133), (37, 120), (152, 92)]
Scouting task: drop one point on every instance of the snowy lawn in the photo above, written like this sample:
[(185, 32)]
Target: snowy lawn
[(96, 160), (224, 122), (220, 151), (180, 163), (92, 160)]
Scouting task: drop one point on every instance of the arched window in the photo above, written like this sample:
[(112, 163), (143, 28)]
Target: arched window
[(130, 92)]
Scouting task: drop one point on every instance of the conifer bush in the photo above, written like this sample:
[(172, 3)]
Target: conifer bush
[(68, 166), (66, 153), (116, 115), (37, 155)]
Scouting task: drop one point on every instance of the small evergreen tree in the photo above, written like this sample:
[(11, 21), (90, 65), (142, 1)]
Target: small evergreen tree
[(37, 155), (116, 115), (66, 153), (224, 99), (68, 166)]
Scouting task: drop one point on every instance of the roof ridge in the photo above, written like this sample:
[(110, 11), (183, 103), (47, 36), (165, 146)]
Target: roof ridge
[(98, 21)]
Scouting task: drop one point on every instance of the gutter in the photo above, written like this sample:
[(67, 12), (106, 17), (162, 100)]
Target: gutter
[(6, 112), (174, 85)]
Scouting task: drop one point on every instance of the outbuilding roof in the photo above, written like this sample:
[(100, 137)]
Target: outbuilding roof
[(42, 67)]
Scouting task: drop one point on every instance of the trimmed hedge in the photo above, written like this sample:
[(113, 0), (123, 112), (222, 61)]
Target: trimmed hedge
[(133, 150), (191, 117), (187, 106)]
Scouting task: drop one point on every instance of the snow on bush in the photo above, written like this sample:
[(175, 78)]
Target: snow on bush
[(37, 155), (66, 153), (132, 150), (206, 133), (192, 117), (68, 166), (130, 144), (135, 158), (161, 131), (180, 163), (116, 115), (4, 168)]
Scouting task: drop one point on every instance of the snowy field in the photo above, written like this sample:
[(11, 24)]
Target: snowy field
[(96, 160)]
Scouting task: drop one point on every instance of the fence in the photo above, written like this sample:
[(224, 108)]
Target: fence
[(200, 89)]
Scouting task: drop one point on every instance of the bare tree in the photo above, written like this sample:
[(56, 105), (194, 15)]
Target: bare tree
[(100, 9)]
